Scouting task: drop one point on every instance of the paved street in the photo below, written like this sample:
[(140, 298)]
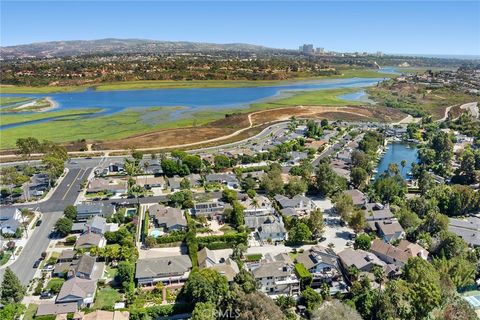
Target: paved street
[(51, 209), (80, 168)]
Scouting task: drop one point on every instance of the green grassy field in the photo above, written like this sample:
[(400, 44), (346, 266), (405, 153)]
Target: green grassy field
[(9, 100), (19, 118), (165, 84), (44, 89), (311, 98), (136, 121)]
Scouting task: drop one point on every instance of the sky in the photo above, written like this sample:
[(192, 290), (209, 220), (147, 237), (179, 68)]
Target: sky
[(415, 27)]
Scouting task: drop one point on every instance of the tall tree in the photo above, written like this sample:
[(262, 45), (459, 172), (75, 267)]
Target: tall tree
[(206, 285), (12, 289), (327, 182)]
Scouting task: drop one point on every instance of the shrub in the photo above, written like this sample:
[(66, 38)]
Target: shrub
[(54, 285), (254, 257), (303, 274), (70, 240)]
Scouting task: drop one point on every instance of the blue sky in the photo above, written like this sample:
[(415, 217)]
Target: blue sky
[(427, 27)]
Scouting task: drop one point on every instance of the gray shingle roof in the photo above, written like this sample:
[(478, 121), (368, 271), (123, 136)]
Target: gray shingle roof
[(272, 269), (165, 266), (85, 264), (167, 216), (45, 309), (77, 287)]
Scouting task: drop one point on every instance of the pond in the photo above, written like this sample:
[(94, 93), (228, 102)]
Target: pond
[(396, 152)]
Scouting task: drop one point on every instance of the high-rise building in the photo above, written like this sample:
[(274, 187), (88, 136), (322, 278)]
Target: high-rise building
[(307, 48), (320, 50)]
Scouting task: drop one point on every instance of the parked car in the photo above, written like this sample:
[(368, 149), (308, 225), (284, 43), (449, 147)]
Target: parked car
[(39, 222), (46, 295), (49, 267), (36, 264)]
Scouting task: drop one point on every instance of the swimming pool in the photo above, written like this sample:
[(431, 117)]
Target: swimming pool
[(130, 212), (156, 233)]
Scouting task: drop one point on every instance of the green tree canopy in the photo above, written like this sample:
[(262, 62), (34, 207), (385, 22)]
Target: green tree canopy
[(205, 285), (12, 290)]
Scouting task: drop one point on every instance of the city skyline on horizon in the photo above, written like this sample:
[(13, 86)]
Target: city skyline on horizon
[(449, 28)]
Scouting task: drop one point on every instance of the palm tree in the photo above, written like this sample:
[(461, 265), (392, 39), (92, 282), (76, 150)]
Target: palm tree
[(255, 204), (238, 251), (353, 273), (145, 167), (131, 169), (325, 291), (379, 275), (393, 168), (403, 163)]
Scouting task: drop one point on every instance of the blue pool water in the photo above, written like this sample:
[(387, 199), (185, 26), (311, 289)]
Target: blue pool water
[(130, 212), (155, 233), (398, 151)]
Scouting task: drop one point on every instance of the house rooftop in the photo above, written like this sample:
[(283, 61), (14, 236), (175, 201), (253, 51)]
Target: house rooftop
[(164, 266), (389, 227), (358, 197), (67, 254), (397, 254), (89, 238), (45, 309), (77, 287), (167, 215), (272, 269), (359, 258)]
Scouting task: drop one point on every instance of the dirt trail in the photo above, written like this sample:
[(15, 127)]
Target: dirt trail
[(255, 119)]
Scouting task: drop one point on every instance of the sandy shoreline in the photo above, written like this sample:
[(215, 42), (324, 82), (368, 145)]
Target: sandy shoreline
[(52, 105)]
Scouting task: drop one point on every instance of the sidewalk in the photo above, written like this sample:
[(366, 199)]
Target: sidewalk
[(49, 193), (20, 243)]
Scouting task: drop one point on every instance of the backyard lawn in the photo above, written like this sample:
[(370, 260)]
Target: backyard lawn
[(30, 312), (110, 272), (106, 298)]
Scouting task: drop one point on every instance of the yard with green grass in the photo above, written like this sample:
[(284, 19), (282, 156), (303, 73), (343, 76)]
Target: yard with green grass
[(54, 285), (110, 272), (106, 298), (5, 257), (30, 312)]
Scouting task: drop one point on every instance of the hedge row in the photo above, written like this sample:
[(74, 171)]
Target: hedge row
[(231, 238), (177, 237), (217, 245), (159, 311), (303, 274)]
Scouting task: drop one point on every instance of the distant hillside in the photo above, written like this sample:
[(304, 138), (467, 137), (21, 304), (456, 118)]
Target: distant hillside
[(119, 46)]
